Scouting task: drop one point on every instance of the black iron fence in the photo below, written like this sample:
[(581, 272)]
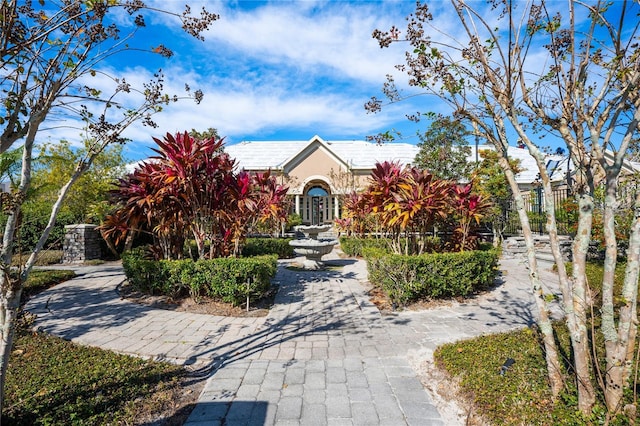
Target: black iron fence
[(534, 205)]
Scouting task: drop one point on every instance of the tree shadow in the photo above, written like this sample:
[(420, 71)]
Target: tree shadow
[(76, 308), (236, 412)]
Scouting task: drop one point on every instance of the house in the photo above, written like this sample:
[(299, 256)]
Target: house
[(319, 172)]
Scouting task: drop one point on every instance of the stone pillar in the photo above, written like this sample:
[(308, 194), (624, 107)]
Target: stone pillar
[(336, 207), (298, 204), (81, 242)]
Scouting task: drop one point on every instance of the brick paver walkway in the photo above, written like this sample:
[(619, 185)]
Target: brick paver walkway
[(323, 356)]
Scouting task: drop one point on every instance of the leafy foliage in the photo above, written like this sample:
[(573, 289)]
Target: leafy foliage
[(355, 246), (490, 182), (220, 278), (191, 187), (53, 167), (262, 246), (437, 275), (410, 202), (444, 150)]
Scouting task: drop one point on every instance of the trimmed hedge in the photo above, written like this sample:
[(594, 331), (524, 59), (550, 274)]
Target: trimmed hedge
[(354, 246), (262, 246), (223, 278), (437, 275)]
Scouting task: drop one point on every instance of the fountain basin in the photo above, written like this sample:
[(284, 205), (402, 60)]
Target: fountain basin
[(312, 231), (311, 247)]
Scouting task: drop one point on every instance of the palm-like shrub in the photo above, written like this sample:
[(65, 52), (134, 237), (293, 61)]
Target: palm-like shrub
[(405, 204), (190, 188)]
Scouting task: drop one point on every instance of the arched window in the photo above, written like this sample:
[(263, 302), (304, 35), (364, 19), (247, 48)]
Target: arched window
[(317, 191)]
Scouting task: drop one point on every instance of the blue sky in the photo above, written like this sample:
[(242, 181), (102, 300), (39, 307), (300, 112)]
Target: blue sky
[(274, 71), (279, 70)]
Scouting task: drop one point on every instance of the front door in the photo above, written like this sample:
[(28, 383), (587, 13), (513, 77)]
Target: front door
[(317, 210)]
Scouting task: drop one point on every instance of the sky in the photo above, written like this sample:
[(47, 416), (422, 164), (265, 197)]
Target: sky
[(273, 71)]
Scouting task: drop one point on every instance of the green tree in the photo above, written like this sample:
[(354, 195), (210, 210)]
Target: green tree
[(210, 133), (444, 149), (87, 203), (55, 165), (490, 181), (50, 53)]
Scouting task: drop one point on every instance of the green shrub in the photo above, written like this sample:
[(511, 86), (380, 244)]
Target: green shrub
[(222, 278), (262, 246), (354, 246), (437, 275), (226, 278), (293, 220)]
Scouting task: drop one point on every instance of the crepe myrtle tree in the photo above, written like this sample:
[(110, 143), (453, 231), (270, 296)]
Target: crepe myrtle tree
[(51, 54), (570, 70)]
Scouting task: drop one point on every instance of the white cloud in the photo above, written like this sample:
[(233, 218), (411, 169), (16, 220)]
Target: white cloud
[(270, 69), (331, 38)]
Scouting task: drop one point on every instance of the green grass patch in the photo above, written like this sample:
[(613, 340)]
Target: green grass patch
[(522, 394), (42, 279), (51, 381), (45, 258)]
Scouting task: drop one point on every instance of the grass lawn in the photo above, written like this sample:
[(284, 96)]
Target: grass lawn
[(521, 395), (51, 381)]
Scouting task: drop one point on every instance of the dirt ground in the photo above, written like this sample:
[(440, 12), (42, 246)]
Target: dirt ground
[(259, 308)]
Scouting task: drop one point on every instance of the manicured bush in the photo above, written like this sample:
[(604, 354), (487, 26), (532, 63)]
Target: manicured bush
[(354, 246), (221, 278), (262, 246), (436, 275)]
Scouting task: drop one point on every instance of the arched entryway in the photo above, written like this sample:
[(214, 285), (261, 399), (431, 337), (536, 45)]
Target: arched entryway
[(317, 205), (319, 211)]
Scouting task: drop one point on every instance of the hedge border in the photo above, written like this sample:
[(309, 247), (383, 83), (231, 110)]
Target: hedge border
[(437, 275), (222, 278)]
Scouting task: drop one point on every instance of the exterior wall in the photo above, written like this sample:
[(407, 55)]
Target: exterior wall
[(318, 163)]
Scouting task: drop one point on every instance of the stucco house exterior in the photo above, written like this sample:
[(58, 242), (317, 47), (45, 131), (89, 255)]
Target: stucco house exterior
[(319, 172)]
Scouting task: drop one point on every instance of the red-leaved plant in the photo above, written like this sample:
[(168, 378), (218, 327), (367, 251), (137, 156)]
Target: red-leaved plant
[(190, 187)]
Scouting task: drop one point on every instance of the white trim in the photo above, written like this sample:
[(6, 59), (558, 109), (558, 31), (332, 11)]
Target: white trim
[(303, 185), (314, 144)]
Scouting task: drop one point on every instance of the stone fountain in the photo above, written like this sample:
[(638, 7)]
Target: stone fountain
[(311, 247)]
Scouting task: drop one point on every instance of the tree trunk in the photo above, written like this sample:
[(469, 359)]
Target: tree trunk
[(579, 334), (574, 298), (11, 289), (9, 306), (554, 371), (620, 342)]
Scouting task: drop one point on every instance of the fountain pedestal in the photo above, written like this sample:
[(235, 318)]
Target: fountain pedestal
[(311, 247)]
